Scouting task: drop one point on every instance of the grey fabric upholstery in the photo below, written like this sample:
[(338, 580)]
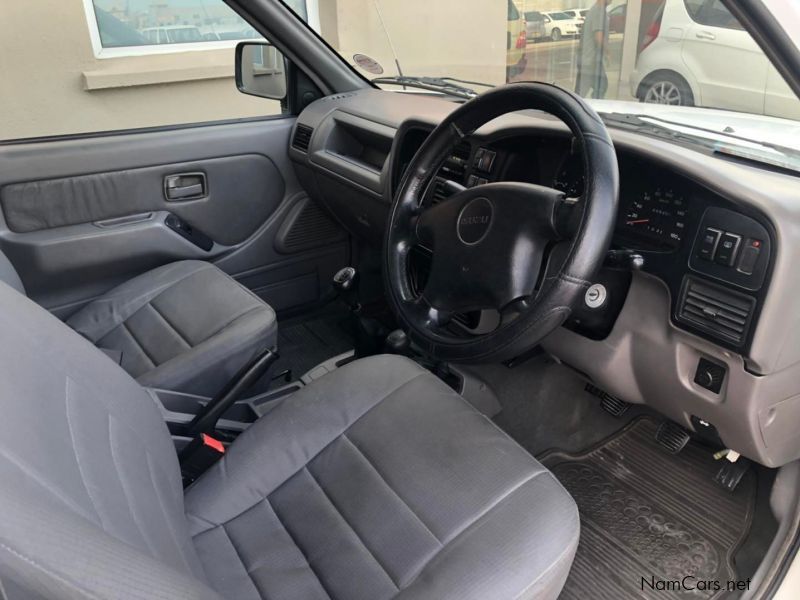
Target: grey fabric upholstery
[(186, 326), (378, 482), (9, 275), (375, 482), (91, 497)]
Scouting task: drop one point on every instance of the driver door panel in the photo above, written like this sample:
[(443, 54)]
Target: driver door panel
[(80, 215)]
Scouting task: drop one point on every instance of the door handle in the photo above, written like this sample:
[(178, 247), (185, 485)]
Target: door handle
[(705, 35), (185, 186)]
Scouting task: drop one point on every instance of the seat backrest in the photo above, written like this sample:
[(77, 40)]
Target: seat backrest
[(91, 502)]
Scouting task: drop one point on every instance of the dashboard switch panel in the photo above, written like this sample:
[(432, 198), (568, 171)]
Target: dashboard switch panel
[(484, 159), (728, 249), (708, 244), (741, 254), (749, 258)]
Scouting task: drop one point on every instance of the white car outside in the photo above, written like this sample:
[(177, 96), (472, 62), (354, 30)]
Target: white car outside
[(558, 24), (577, 13), (696, 54)]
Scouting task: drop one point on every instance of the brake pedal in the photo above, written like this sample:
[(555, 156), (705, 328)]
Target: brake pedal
[(613, 406), (672, 437)]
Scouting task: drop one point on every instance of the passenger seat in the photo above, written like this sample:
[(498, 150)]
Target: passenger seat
[(185, 326)]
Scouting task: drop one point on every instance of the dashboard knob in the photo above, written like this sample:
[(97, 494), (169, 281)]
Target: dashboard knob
[(706, 379)]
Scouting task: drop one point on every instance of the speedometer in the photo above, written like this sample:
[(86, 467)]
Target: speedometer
[(655, 217)]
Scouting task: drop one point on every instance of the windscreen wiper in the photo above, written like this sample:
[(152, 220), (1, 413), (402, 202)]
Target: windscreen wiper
[(729, 134), (444, 85), (637, 123), (653, 126)]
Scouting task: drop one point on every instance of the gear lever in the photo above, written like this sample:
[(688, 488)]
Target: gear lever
[(345, 282), (369, 333)]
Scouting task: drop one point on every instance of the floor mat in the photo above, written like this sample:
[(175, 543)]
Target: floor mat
[(306, 343), (545, 405), (648, 517)]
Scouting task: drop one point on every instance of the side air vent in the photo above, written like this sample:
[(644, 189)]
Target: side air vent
[(716, 310), (306, 227), (302, 137)]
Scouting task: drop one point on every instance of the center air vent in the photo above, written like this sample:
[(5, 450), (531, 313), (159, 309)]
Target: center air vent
[(455, 167), (716, 310), (302, 137)]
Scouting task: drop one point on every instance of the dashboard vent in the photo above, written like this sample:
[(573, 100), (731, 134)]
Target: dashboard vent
[(715, 309), (338, 96), (439, 190), (302, 137), (455, 167)]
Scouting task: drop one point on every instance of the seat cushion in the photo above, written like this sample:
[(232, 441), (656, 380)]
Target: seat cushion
[(375, 482), (186, 326)]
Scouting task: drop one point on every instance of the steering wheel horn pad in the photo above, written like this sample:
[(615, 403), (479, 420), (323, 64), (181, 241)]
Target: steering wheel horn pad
[(489, 243), (474, 220)]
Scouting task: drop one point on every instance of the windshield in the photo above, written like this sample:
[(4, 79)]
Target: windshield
[(687, 62)]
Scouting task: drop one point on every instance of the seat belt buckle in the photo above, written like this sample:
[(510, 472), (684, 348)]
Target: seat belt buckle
[(198, 456)]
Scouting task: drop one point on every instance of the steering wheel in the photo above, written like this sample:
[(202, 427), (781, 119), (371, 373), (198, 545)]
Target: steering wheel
[(494, 246)]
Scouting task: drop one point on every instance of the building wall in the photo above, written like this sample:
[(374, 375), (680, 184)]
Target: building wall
[(428, 37), (53, 84)]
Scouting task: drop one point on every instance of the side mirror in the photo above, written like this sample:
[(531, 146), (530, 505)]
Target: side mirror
[(260, 70)]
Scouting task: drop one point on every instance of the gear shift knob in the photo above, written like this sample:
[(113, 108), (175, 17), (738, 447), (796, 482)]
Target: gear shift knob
[(345, 279), (345, 283)]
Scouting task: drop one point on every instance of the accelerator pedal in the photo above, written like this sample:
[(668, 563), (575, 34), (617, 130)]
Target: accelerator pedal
[(732, 470)]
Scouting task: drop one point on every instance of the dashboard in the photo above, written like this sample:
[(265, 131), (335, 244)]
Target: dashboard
[(699, 316), (712, 256)]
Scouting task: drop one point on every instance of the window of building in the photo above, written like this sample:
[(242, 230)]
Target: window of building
[(138, 27)]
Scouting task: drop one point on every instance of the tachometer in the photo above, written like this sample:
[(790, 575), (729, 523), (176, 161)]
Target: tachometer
[(655, 216)]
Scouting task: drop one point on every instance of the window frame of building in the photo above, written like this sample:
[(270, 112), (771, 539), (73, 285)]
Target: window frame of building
[(101, 52)]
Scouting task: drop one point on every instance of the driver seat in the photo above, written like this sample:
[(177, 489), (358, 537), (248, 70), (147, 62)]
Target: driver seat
[(375, 482)]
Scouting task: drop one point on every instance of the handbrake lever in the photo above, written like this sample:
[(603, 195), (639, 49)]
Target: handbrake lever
[(206, 419)]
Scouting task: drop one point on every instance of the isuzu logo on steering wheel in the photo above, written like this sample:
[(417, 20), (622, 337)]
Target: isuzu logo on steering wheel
[(474, 221)]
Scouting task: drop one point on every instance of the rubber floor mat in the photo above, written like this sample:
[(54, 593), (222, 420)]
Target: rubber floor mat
[(304, 344), (650, 519)]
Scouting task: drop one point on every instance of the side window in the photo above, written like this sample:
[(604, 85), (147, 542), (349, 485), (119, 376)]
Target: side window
[(715, 14), (693, 7), (106, 65), (712, 13)]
